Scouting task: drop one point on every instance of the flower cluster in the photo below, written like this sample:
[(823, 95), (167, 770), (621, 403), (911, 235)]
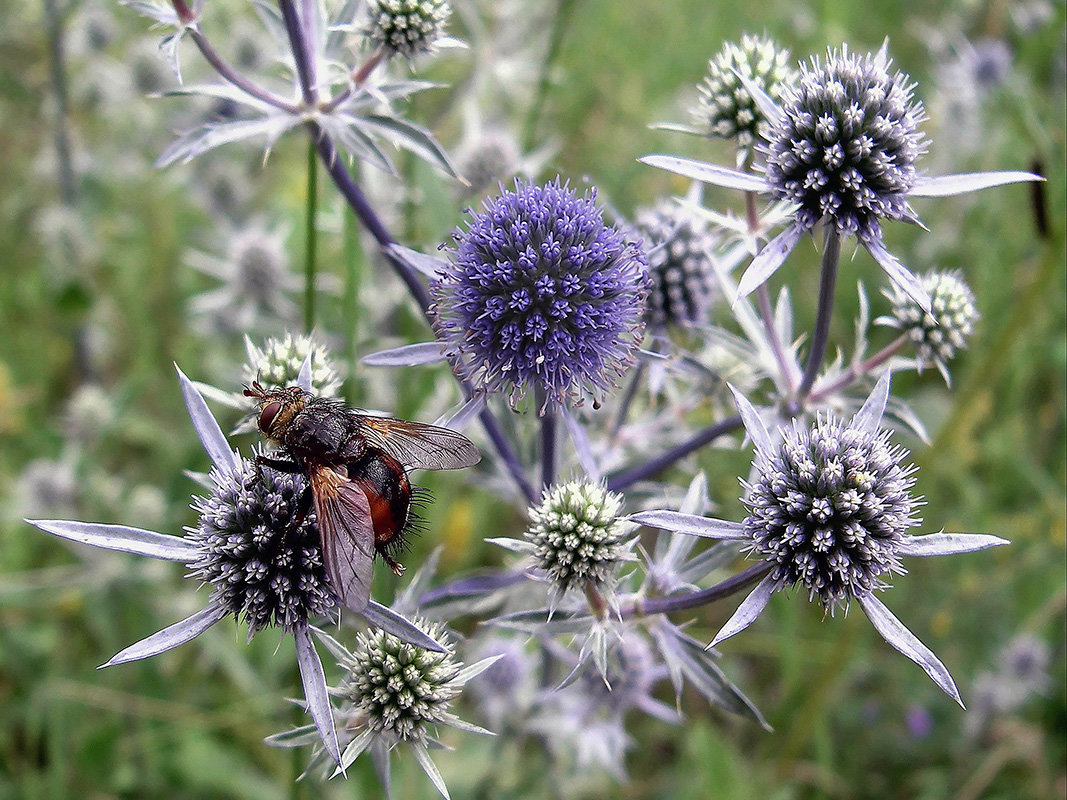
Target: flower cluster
[(679, 246), (539, 292), (577, 536), (829, 509), (727, 108), (260, 566), (400, 689), (946, 328), (406, 27), (845, 144)]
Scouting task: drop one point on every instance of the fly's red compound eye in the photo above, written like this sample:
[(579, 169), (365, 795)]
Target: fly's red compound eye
[(267, 415)]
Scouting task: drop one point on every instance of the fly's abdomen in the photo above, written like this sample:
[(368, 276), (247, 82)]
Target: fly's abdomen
[(383, 479)]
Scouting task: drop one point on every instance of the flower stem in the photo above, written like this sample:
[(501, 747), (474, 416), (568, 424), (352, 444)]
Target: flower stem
[(353, 262), (311, 237), (621, 481), (831, 257), (232, 76), (681, 602), (559, 27), (856, 370), (298, 43), (548, 443)]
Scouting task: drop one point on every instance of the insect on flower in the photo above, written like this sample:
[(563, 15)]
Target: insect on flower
[(356, 467)]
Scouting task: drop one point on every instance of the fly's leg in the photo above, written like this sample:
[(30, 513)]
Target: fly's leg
[(397, 568)]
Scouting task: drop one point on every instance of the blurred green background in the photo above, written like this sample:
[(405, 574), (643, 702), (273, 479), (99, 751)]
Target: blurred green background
[(94, 286)]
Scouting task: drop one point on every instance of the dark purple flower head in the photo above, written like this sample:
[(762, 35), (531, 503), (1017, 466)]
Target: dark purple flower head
[(845, 145), (258, 565), (540, 292), (830, 508)]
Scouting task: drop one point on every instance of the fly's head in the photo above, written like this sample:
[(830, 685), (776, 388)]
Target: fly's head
[(277, 408)]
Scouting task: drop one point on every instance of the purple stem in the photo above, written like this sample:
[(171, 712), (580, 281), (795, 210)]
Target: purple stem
[(831, 257), (298, 41), (856, 370), (680, 602), (548, 445), (623, 480), (230, 75), (350, 190)]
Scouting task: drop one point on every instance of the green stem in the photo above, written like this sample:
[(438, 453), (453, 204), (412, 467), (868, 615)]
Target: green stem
[(311, 240), (559, 27), (353, 262)]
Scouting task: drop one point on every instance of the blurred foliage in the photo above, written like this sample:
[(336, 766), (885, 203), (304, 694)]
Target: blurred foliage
[(95, 287)]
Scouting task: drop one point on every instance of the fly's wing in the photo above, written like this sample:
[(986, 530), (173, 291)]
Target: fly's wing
[(347, 532), (419, 446)]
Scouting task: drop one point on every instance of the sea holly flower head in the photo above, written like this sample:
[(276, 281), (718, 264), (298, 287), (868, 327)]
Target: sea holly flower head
[(842, 149), (395, 694), (398, 688), (830, 507), (406, 27), (845, 143), (577, 536), (941, 332), (260, 566), (539, 292), (727, 108), (678, 245)]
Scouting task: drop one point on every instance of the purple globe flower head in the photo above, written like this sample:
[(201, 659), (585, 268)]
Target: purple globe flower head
[(539, 292), (830, 507), (842, 147)]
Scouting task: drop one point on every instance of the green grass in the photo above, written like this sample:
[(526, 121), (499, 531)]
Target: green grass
[(189, 724)]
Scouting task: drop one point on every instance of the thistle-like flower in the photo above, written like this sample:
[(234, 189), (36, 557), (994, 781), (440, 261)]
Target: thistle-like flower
[(842, 148), (577, 537), (937, 334), (830, 508), (540, 292), (727, 108), (394, 693), (261, 567), (679, 246), (406, 27)]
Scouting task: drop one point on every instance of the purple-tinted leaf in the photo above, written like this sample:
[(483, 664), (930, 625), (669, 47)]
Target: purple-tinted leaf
[(428, 265), (946, 185), (422, 755), (170, 637), (119, 537), (298, 737), (869, 417), (410, 136), (460, 417), (389, 621), (750, 608), (946, 544), (904, 641), (757, 431), (207, 429), (769, 259), (676, 521), (708, 173), (315, 691), (409, 355), (897, 272), (303, 377), (354, 749), (539, 621)]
